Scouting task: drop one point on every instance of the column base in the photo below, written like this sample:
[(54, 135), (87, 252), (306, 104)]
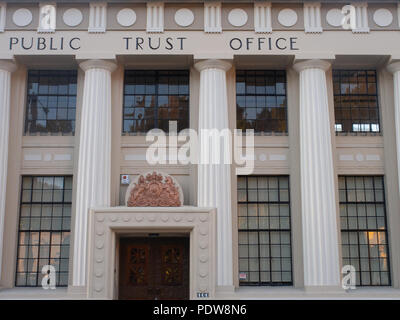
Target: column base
[(4, 286), (225, 289)]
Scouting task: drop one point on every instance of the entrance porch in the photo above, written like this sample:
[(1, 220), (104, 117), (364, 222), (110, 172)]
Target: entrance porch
[(108, 225)]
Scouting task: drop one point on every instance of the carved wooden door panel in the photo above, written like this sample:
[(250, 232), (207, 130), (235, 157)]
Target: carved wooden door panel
[(134, 277), (154, 268), (172, 268)]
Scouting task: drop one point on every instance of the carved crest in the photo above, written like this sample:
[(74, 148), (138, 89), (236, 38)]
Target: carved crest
[(154, 190)]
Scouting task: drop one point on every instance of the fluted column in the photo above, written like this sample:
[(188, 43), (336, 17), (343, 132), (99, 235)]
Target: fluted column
[(395, 69), (6, 68), (94, 164), (214, 180), (320, 230)]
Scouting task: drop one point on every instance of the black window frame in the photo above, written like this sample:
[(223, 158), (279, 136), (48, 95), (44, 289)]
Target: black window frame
[(69, 120), (340, 110), (346, 232), (268, 231), (260, 126), (183, 122), (64, 233)]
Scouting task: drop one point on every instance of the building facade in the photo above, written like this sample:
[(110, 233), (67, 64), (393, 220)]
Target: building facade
[(82, 82)]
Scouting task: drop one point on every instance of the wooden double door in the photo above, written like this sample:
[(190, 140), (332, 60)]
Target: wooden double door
[(154, 268)]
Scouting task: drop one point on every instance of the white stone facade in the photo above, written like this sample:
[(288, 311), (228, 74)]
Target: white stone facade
[(212, 41)]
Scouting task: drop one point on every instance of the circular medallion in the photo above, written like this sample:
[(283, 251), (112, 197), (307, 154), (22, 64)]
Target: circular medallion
[(98, 288), (73, 17), (184, 17), (383, 17), (287, 17), (99, 259), (334, 17), (99, 244), (126, 17), (203, 231), (22, 17), (203, 259), (237, 17), (178, 217)]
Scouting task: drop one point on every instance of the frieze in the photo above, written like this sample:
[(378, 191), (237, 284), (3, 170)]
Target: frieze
[(261, 17)]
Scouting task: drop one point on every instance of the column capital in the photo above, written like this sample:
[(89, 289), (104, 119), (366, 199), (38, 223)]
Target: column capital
[(393, 67), (213, 64), (312, 64), (98, 64), (8, 65)]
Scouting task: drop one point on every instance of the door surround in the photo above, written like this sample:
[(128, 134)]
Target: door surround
[(105, 224)]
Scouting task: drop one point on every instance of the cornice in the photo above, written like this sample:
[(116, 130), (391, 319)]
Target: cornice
[(198, 1)]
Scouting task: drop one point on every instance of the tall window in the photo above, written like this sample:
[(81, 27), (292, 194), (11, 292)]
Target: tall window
[(51, 102), (261, 101), (44, 229), (356, 101), (264, 230), (153, 98), (364, 229)]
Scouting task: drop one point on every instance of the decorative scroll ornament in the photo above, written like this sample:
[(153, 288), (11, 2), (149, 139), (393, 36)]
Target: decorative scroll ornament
[(154, 190)]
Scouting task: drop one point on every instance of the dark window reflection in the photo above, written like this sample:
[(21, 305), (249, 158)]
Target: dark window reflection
[(356, 101), (153, 98), (44, 229), (265, 253), (261, 100), (365, 243), (51, 101)]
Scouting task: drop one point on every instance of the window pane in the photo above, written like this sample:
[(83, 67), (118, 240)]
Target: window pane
[(261, 100), (264, 230), (153, 98), (363, 214), (44, 213), (356, 101), (51, 101)]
